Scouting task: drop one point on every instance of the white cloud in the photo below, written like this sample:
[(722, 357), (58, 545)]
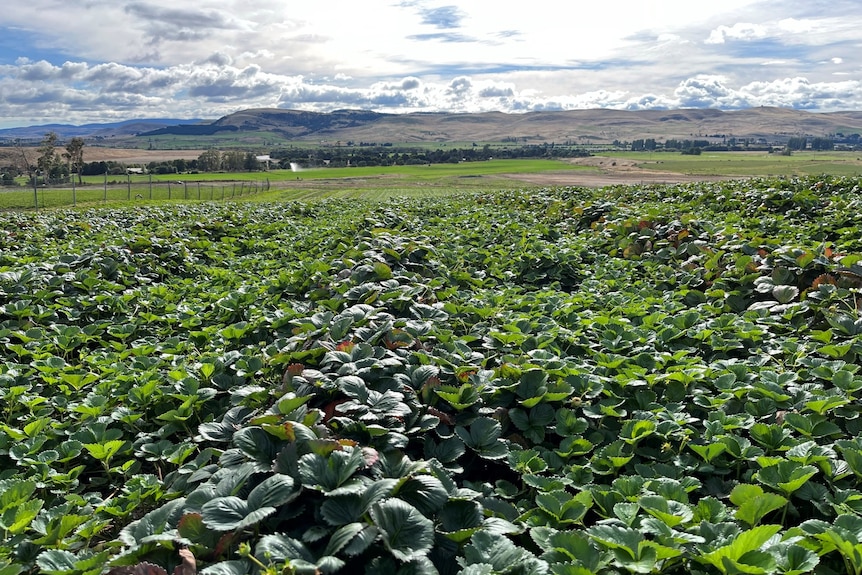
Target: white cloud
[(795, 26), (739, 31)]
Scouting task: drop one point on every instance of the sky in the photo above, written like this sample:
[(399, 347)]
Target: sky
[(94, 61)]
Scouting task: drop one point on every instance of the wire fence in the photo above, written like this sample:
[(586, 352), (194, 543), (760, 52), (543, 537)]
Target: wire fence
[(18, 198)]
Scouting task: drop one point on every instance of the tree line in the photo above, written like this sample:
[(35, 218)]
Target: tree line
[(52, 164)]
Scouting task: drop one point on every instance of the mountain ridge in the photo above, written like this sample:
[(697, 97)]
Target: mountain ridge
[(573, 126)]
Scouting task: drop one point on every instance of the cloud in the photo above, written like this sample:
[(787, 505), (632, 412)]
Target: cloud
[(80, 93), (410, 55), (739, 31), (443, 36), (497, 91), (410, 83), (707, 92), (445, 17), (798, 93), (460, 85)]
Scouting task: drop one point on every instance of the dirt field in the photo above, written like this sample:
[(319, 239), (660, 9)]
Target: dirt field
[(609, 172), (93, 154), (12, 155)]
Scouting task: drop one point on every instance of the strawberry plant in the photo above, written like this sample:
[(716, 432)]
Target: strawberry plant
[(632, 380)]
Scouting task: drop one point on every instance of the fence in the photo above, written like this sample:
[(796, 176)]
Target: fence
[(16, 197)]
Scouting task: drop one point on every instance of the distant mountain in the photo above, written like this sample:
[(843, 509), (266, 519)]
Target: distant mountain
[(265, 125), (93, 131), (599, 125)]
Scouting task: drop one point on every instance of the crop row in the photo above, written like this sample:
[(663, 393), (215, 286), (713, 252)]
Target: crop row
[(654, 379)]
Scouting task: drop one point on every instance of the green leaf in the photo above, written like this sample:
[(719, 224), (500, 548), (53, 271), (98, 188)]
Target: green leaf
[(533, 422), (672, 513), (501, 554), (726, 557), (290, 402), (17, 519), (459, 397), (406, 533), (12, 569), (235, 567), (785, 293), (256, 443), (797, 560), (753, 503), (13, 492), (634, 430), (460, 519), (331, 472), (57, 562), (282, 548), (616, 537), (232, 513), (425, 492), (786, 476), (708, 452), (342, 537), (107, 450), (483, 437), (273, 491)]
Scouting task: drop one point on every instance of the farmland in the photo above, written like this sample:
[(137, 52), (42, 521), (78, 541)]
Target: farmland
[(603, 169), (630, 379)]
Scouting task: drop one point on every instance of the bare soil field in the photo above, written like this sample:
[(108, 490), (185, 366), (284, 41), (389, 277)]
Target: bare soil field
[(131, 156), (12, 155), (609, 172)]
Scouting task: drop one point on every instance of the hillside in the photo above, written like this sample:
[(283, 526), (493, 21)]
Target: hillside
[(260, 126), (534, 127)]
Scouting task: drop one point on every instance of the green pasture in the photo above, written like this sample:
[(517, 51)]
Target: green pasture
[(435, 171), (312, 183), (135, 192), (733, 164), (379, 182)]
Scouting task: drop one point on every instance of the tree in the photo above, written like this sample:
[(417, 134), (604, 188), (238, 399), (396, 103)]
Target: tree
[(822, 144), (797, 143), (26, 167), (210, 161), (74, 156), (251, 163), (48, 160), (233, 160)]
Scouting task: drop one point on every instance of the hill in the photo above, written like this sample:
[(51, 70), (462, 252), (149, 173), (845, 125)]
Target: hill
[(96, 131), (260, 127), (582, 126)]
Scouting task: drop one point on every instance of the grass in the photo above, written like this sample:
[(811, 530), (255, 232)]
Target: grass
[(376, 182), (367, 182)]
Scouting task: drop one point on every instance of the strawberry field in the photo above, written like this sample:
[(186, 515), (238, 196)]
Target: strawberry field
[(556, 381)]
